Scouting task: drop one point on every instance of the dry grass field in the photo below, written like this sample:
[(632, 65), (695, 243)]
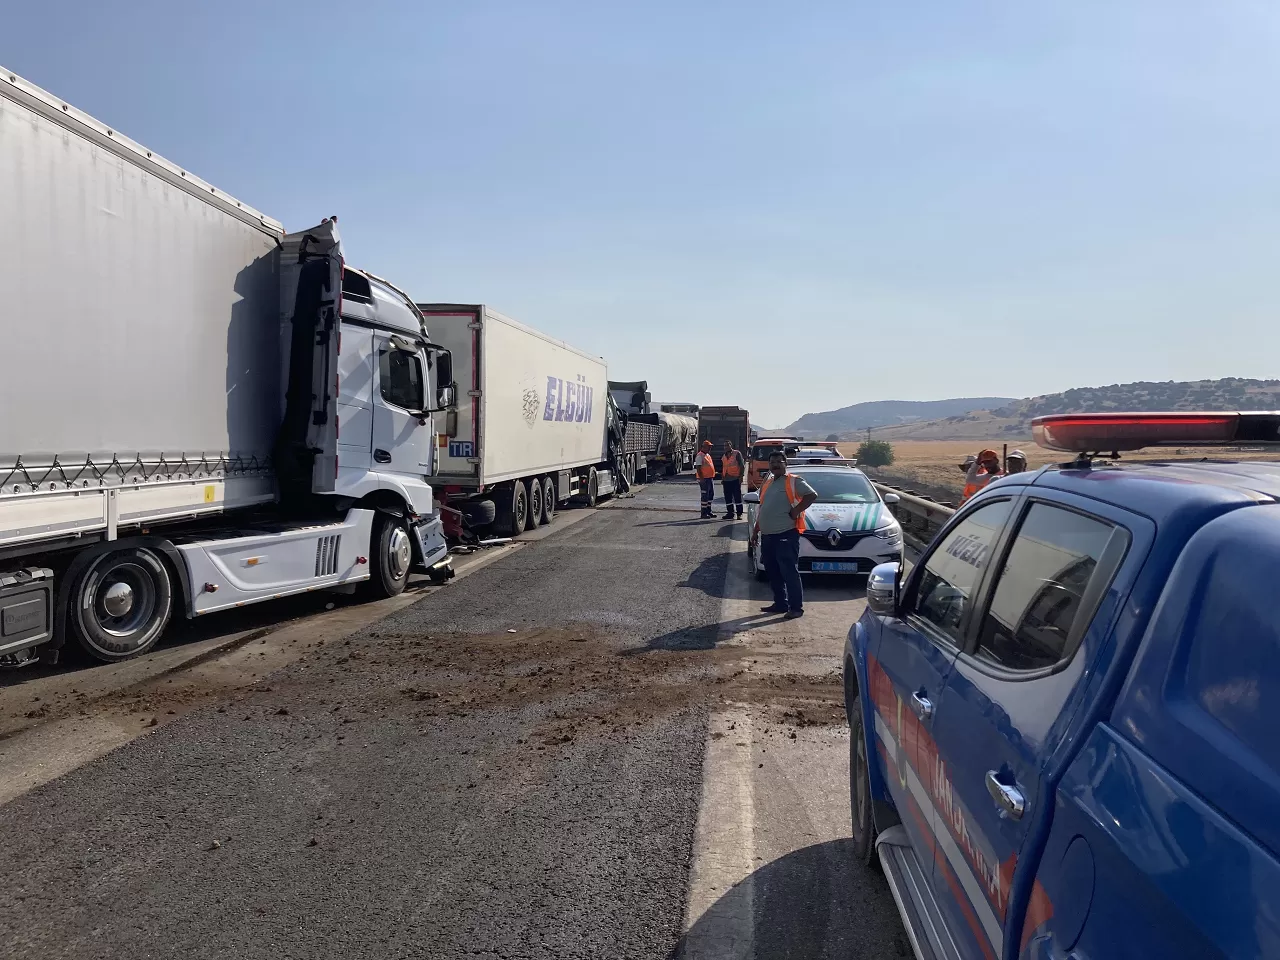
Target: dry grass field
[(931, 465)]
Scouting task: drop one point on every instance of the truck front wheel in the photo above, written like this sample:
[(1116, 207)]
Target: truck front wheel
[(120, 604), (392, 556)]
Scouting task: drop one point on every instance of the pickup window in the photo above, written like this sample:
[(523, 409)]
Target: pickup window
[(1043, 585), (951, 574)]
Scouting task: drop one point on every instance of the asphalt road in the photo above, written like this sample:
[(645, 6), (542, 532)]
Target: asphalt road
[(595, 747)]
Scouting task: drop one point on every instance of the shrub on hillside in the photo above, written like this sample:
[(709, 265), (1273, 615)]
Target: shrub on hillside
[(875, 453)]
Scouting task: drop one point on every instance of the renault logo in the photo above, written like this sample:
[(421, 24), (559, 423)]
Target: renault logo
[(833, 537)]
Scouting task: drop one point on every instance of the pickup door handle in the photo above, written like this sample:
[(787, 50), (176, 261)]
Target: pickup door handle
[(921, 706), (382, 456), (1007, 798)]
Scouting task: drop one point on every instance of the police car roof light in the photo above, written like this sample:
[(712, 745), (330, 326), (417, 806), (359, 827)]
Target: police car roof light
[(1102, 432)]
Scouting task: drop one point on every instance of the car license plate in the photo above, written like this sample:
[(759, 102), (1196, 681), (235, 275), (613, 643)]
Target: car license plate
[(833, 566)]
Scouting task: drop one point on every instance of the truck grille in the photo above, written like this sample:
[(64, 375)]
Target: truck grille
[(327, 555)]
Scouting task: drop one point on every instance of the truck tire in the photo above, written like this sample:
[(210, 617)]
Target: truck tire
[(672, 468), (548, 499), (593, 488), (535, 503), (513, 512), (864, 829), (119, 605), (478, 513), (391, 555), (642, 470)]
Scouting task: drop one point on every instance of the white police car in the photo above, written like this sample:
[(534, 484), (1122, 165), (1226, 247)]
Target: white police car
[(849, 529)]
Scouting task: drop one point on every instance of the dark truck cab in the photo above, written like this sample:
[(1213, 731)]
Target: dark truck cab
[(1065, 720), (719, 424)]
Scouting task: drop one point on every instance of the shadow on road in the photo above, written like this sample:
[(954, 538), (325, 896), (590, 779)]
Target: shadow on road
[(817, 903), (705, 637)]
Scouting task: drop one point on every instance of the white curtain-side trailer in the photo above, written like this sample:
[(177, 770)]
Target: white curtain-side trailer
[(200, 411)]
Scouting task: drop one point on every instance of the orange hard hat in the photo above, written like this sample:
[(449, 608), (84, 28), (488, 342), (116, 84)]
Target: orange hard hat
[(707, 443), (986, 455)]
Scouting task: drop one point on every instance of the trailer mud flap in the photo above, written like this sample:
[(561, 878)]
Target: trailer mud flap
[(310, 305)]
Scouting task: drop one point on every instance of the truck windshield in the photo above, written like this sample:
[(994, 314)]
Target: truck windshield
[(845, 486)]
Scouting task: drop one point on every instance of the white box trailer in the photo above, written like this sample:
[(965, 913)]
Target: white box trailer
[(171, 381), (533, 424)]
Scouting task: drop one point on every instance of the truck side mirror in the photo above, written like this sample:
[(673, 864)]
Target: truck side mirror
[(446, 389), (451, 423)]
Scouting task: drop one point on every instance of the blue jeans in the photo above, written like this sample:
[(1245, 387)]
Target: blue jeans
[(780, 553), (708, 494)]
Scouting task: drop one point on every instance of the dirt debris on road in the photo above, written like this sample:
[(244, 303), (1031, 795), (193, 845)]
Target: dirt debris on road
[(433, 785)]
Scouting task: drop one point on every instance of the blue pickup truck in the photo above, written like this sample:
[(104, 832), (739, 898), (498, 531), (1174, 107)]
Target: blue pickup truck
[(1065, 720)]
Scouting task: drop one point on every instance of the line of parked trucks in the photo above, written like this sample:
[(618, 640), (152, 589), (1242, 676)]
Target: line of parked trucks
[(202, 410)]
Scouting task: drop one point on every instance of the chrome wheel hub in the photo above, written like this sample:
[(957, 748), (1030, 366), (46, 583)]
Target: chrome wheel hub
[(117, 599), (399, 553)]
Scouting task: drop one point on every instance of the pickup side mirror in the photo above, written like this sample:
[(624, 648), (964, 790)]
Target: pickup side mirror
[(882, 590), (751, 497)]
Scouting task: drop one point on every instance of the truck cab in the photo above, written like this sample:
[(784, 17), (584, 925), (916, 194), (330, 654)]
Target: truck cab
[(1063, 717), (391, 380)]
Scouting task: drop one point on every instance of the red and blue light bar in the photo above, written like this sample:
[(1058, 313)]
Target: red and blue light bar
[(1113, 432)]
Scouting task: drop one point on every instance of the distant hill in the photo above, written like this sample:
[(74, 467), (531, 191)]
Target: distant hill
[(886, 413), (1012, 420)]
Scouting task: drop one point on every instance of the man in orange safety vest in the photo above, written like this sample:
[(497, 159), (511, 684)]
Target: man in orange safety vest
[(984, 468), (704, 468), (732, 467)]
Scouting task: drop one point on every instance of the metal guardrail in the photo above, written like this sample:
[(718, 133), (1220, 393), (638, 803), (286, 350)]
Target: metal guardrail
[(921, 516)]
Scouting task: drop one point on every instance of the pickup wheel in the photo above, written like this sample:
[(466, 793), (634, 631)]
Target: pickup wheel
[(548, 500), (535, 504), (391, 554), (864, 830), (120, 604)]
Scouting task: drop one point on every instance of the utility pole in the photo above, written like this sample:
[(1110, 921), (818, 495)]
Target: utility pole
[(868, 434)]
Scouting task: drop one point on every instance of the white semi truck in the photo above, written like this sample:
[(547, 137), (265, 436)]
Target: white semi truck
[(197, 410), (535, 425)]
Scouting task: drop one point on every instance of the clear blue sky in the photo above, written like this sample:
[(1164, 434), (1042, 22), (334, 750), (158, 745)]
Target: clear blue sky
[(790, 207)]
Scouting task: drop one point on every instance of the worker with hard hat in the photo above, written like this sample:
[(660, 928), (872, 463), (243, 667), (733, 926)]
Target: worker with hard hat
[(1015, 462), (704, 468), (979, 471)]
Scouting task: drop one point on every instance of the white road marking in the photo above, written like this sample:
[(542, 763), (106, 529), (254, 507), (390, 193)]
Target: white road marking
[(764, 795), (723, 846)]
